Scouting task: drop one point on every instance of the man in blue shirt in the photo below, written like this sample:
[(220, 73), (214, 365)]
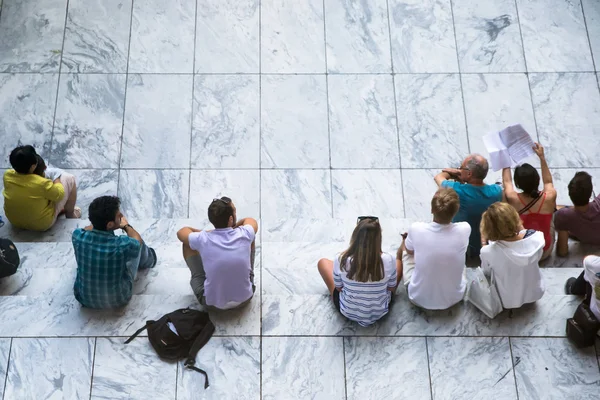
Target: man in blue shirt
[(107, 263), (475, 196)]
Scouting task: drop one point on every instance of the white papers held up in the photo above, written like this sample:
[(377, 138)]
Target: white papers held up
[(509, 147)]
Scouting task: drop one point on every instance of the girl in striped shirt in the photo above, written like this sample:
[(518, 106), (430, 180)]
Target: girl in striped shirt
[(362, 279)]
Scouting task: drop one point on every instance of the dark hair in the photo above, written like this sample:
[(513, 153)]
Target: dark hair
[(40, 169), (219, 212), (364, 253), (103, 210), (528, 180), (22, 158), (580, 188)]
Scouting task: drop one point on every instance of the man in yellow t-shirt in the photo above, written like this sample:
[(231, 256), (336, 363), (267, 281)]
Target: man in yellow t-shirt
[(32, 201)]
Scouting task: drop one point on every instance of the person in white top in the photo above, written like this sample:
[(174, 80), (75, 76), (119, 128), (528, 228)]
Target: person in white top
[(512, 254), (587, 284), (432, 255)]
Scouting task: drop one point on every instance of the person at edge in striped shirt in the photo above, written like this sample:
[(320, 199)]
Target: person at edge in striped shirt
[(362, 279)]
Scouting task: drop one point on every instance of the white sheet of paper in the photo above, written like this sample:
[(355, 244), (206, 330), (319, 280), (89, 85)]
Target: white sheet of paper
[(519, 143), (499, 155)]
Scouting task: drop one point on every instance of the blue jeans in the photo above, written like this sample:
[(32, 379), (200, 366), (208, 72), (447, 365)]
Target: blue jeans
[(146, 259)]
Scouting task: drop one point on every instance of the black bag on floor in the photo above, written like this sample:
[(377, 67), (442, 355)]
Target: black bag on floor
[(582, 328), (9, 258), (180, 334)]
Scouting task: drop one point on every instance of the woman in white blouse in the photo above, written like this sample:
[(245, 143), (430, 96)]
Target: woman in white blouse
[(512, 254)]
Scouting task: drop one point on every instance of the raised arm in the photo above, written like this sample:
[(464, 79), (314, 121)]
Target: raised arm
[(546, 175), (248, 221), (184, 234)]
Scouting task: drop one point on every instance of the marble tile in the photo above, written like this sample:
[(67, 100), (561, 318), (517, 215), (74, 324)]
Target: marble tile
[(227, 36), (226, 129), (554, 36), (27, 108), (38, 368), (154, 193), (362, 121), (242, 186), (97, 36), (419, 187), (92, 183), (299, 368), (422, 36), (162, 37), (495, 101), (555, 278), (471, 368), (358, 37), (552, 368), (367, 192), (294, 131), (39, 281), (89, 121), (293, 193), (225, 360), (292, 37), (243, 321), (488, 36), (113, 366), (157, 127), (2, 171), (591, 11), (4, 350), (431, 122), (374, 364), (31, 35), (561, 178), (567, 140)]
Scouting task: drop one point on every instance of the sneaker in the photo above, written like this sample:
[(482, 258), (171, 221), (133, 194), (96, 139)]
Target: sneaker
[(569, 284), (154, 256)]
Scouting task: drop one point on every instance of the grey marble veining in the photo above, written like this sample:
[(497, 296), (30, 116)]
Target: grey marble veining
[(567, 111), (554, 36), (293, 193), (488, 36), (131, 371), (373, 366), (552, 368), (471, 368), (162, 36), (27, 109), (58, 368), (39, 281), (242, 186), (591, 10), (362, 120), (154, 193), (94, 183), (367, 192), (292, 36), (31, 35), (294, 132), (4, 350), (431, 122), (89, 120), (299, 368), (422, 36), (358, 37), (226, 130), (227, 36), (495, 101), (157, 126), (419, 187), (233, 365), (97, 36)]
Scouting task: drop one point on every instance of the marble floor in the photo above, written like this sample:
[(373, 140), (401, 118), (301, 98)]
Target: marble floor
[(306, 113)]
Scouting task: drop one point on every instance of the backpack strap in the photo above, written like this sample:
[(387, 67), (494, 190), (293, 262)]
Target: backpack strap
[(137, 333), (202, 338)]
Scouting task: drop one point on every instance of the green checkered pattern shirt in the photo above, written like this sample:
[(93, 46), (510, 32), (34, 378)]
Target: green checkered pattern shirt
[(106, 268)]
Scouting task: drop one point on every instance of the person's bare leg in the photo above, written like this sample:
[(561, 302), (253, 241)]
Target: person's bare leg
[(325, 267), (70, 204), (399, 270)]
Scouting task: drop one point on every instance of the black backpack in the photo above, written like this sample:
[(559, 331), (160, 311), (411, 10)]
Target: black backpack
[(194, 329), (9, 258)]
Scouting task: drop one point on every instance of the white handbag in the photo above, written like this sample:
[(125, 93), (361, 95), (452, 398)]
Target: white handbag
[(483, 294)]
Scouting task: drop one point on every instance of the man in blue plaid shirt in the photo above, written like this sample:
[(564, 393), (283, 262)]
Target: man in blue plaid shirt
[(107, 263)]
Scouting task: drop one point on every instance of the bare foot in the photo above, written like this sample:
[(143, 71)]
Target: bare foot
[(76, 213)]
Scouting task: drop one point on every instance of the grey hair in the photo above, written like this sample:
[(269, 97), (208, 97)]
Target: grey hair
[(478, 166)]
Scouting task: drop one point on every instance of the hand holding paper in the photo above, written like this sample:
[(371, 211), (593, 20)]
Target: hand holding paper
[(508, 147)]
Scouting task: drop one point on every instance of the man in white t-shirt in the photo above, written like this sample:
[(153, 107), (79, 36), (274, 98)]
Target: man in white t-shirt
[(222, 260), (587, 284), (432, 255)]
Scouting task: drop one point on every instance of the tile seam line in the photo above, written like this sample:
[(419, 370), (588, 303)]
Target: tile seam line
[(512, 361), (7, 369), (60, 62), (93, 366), (328, 108), (587, 31), (429, 368), (300, 73), (193, 89)]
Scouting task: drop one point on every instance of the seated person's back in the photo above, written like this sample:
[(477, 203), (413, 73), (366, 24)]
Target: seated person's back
[(512, 255), (583, 219), (475, 196), (439, 249), (107, 264)]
